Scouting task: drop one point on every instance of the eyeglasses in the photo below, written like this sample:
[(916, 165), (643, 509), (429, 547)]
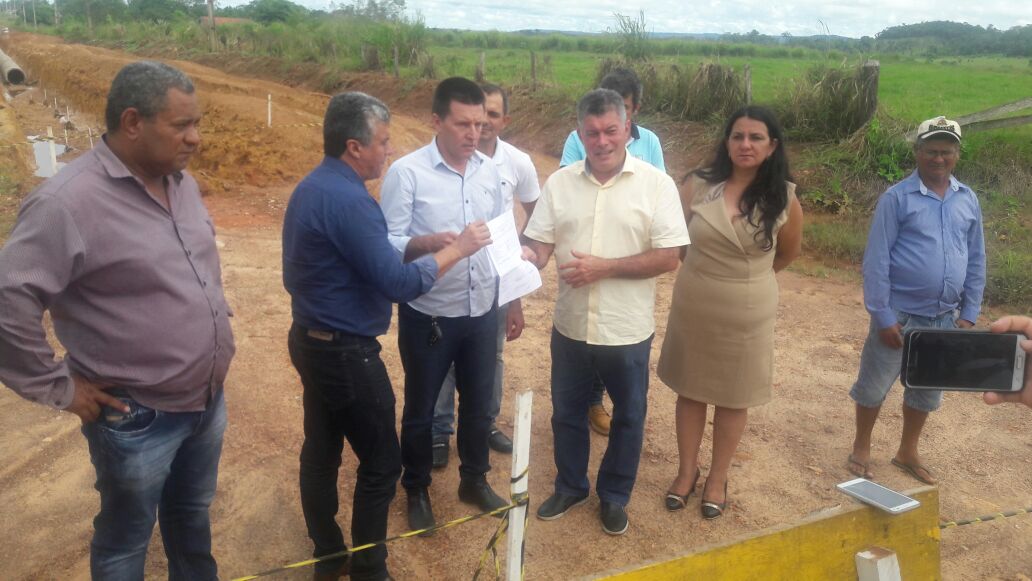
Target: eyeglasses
[(435, 332)]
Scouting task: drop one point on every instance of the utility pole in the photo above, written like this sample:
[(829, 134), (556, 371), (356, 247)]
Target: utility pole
[(34, 24)]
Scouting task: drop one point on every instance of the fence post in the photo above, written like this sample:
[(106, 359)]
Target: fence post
[(397, 71), (268, 115), (520, 480), (533, 71), (479, 75), (211, 25), (869, 86), (53, 150), (748, 84)]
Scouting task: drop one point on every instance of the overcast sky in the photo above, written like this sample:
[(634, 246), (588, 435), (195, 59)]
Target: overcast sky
[(854, 18)]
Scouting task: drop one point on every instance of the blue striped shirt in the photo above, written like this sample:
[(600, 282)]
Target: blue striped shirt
[(925, 254)]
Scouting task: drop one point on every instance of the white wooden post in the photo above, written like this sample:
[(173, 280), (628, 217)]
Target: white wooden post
[(66, 137), (877, 564), (90, 131), (520, 481), (53, 150), (268, 117)]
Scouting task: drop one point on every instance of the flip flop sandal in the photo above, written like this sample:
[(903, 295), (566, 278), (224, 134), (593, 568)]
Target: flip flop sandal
[(912, 469), (863, 472)]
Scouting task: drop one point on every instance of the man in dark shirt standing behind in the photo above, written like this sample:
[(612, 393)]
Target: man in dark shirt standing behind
[(342, 275), (121, 251)]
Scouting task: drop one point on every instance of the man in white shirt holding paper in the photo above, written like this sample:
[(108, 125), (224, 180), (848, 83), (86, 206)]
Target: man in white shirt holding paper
[(428, 196), (519, 181)]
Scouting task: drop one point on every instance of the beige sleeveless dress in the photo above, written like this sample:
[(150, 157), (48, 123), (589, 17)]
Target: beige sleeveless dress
[(719, 343)]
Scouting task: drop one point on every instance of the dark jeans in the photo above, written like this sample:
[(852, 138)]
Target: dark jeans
[(444, 409), (148, 460), (625, 371), (471, 344), (347, 394), (598, 389)]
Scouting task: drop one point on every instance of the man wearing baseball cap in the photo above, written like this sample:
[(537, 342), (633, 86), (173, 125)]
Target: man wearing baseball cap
[(924, 267)]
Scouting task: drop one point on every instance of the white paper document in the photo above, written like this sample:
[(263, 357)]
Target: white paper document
[(518, 277)]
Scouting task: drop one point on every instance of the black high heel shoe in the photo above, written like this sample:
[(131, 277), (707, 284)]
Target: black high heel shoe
[(712, 510), (675, 502)]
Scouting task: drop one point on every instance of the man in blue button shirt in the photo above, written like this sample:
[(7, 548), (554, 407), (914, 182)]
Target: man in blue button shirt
[(427, 196), (342, 275), (924, 267)]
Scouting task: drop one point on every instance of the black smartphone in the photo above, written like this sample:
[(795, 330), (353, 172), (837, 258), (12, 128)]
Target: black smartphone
[(962, 360)]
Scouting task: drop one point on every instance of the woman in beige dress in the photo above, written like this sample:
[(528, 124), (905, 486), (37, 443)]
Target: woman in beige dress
[(745, 224)]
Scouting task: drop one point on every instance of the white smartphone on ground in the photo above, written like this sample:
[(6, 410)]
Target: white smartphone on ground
[(877, 495), (961, 360)]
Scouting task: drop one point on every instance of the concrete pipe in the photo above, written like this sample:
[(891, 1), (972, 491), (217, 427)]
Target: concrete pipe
[(12, 72)]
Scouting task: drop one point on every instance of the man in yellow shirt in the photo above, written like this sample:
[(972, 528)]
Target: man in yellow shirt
[(614, 223)]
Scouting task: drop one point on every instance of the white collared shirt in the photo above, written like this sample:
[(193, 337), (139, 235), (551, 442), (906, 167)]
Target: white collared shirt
[(637, 210), (422, 194), (519, 179)]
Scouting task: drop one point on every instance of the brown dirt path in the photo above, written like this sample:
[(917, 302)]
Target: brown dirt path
[(792, 454)]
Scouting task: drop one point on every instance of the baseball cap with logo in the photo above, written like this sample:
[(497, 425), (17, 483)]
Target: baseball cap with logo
[(938, 126)]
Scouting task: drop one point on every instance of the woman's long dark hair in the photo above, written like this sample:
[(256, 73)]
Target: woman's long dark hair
[(767, 196)]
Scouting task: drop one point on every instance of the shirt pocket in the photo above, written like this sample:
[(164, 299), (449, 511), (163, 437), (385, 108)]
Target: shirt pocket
[(961, 221)]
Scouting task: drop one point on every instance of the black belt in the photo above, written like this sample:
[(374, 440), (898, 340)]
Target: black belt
[(331, 336)]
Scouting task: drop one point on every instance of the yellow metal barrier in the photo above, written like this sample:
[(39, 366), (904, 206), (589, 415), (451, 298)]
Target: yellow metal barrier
[(820, 548)]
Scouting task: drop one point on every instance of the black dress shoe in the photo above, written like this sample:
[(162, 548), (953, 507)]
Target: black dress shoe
[(342, 569), (711, 510), (420, 515), (614, 518), (557, 505), (478, 492), (498, 441), (440, 450)]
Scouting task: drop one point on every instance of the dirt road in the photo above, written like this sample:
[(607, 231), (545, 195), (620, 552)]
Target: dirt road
[(792, 454)]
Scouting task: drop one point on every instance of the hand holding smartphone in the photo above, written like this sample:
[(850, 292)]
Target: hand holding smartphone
[(1014, 324), (961, 360)]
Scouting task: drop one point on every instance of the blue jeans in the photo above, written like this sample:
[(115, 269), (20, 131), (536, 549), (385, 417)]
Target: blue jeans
[(149, 460), (470, 344), (444, 409), (880, 366), (625, 371)]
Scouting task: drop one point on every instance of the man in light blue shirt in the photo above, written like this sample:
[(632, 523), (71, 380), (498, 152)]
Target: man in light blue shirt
[(428, 197), (924, 267), (642, 144)]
